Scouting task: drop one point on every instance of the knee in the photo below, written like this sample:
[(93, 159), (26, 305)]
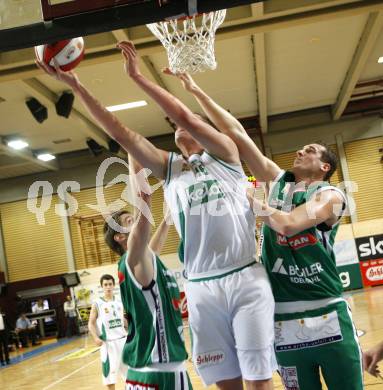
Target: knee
[(265, 384)]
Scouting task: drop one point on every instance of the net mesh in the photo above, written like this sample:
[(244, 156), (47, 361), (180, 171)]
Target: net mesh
[(189, 45)]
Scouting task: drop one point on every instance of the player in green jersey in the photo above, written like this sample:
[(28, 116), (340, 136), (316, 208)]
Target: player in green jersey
[(313, 327), (154, 350), (141, 271)]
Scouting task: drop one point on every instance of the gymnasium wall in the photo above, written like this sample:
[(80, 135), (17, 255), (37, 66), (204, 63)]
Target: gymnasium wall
[(32, 250)]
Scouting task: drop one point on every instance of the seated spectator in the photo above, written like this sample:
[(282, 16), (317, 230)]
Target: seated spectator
[(25, 330)]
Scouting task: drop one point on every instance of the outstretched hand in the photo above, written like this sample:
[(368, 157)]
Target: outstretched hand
[(69, 78), (187, 81), (371, 359), (130, 55)]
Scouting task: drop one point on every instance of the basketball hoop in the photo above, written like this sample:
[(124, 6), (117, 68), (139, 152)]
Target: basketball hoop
[(189, 45)]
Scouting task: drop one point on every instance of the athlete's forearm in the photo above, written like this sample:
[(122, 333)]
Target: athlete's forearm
[(93, 331), (301, 218), (135, 144), (159, 237), (215, 142), (275, 219), (222, 119), (264, 169), (138, 239), (172, 106)]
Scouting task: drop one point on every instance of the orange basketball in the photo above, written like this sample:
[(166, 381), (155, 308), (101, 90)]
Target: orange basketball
[(68, 53)]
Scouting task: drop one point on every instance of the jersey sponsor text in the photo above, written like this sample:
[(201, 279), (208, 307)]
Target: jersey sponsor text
[(210, 358), (132, 385), (299, 275), (296, 242)]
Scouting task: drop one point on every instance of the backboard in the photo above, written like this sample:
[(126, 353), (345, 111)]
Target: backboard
[(28, 23)]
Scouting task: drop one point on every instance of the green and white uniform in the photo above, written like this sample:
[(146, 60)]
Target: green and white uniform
[(313, 324), (110, 324), (154, 349), (230, 302)]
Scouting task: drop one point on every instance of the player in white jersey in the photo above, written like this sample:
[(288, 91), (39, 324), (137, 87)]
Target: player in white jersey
[(107, 326), (230, 301), (231, 310)]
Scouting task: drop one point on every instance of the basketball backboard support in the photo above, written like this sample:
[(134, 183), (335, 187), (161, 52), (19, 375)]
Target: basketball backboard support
[(35, 22)]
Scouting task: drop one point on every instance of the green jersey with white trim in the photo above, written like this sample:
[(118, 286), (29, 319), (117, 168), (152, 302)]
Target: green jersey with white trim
[(301, 267), (155, 329), (210, 210), (110, 319)]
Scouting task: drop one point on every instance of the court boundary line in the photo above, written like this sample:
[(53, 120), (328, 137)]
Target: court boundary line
[(69, 375)]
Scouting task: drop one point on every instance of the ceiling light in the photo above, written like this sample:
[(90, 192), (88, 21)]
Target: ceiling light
[(46, 156), (380, 60), (17, 144), (126, 106)]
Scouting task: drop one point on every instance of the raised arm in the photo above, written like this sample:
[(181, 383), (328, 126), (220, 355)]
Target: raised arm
[(135, 144), (325, 207), (217, 143), (159, 237), (139, 255), (260, 166)]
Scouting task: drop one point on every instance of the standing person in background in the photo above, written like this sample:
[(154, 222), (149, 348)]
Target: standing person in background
[(4, 336), (107, 326), (71, 316)]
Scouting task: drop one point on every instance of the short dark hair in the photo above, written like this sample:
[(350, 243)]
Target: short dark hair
[(106, 277), (109, 232), (329, 157)]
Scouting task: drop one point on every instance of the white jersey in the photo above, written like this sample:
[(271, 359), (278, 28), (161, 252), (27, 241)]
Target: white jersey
[(210, 210), (110, 319)]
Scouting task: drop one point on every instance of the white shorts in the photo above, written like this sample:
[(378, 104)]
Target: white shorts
[(232, 325), (111, 360)]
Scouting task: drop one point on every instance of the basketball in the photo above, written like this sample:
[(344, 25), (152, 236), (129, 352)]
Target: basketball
[(68, 53)]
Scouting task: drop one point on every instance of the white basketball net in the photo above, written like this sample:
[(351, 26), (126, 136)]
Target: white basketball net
[(190, 47)]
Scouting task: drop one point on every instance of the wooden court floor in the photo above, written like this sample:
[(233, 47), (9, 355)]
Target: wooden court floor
[(56, 370)]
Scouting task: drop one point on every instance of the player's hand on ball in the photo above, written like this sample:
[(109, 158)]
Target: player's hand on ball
[(130, 55), (69, 78)]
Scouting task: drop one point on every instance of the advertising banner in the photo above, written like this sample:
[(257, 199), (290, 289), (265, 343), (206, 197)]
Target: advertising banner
[(370, 253), (372, 272), (350, 276), (184, 306), (370, 247), (347, 263)]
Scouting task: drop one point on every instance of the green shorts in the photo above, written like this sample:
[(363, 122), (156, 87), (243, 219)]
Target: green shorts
[(323, 339), (157, 380)]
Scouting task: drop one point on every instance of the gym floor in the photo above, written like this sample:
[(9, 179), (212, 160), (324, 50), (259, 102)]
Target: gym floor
[(75, 364)]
